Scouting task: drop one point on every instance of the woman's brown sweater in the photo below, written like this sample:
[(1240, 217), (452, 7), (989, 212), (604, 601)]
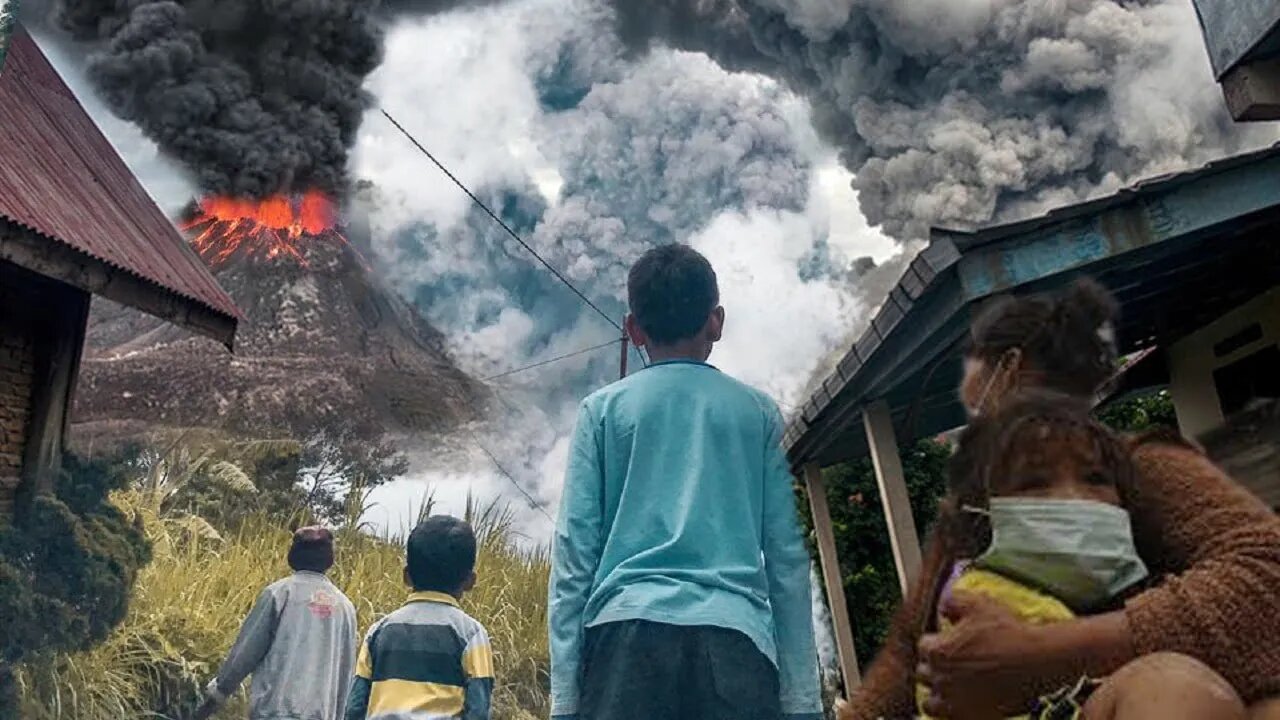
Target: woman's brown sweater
[(1218, 547)]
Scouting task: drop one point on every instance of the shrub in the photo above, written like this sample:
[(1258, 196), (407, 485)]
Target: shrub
[(67, 564)]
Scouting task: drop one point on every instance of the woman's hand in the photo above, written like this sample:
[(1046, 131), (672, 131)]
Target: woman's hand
[(989, 664)]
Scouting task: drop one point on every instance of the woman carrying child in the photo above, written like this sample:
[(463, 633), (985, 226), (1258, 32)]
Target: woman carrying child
[(1181, 621)]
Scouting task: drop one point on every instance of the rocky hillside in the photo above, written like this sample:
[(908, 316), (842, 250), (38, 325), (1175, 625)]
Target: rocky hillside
[(322, 342)]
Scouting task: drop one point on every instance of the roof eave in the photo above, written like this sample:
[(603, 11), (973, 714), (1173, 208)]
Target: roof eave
[(988, 261), (66, 264)]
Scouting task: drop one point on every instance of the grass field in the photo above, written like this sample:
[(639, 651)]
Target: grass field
[(189, 602)]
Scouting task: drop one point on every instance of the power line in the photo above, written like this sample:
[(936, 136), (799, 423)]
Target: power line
[(499, 220), (553, 360), (514, 483)]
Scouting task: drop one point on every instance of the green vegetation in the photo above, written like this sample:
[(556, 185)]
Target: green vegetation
[(1141, 412), (67, 564), (213, 515), (862, 536), (207, 570)]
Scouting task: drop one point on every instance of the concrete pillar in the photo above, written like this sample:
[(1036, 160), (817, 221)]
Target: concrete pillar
[(1195, 399), (893, 492), (1253, 91), (832, 578)]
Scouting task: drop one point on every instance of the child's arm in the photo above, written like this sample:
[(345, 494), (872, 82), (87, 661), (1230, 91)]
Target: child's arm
[(362, 683), (251, 645), (787, 568), (477, 665), (358, 699), (574, 558)]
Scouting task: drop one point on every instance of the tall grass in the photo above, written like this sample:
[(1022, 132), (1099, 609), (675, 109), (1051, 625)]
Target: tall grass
[(188, 605)]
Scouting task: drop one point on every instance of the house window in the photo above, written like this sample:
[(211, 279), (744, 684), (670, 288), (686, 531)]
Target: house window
[(1249, 381), (1239, 341)]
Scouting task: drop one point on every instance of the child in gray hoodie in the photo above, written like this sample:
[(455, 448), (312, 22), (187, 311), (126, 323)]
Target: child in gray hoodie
[(299, 642)]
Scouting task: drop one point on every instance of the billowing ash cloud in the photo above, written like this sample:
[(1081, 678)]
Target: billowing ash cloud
[(253, 97), (654, 157), (593, 157), (958, 112), (397, 8)]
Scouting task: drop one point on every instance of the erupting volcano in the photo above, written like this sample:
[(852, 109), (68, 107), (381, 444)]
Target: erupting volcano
[(274, 227), (323, 341)]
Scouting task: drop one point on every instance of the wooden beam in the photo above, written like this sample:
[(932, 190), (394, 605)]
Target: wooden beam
[(893, 492), (61, 341), (832, 578), (64, 263), (1253, 91)]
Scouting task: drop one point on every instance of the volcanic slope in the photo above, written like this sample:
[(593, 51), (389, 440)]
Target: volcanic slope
[(322, 342)]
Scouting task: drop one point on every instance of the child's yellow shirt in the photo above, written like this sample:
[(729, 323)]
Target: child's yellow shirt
[(1027, 604)]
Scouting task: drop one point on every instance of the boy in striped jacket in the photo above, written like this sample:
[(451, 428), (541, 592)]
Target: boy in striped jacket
[(428, 659)]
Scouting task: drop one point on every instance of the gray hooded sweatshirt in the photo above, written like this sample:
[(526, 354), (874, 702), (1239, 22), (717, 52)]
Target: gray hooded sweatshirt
[(299, 643)]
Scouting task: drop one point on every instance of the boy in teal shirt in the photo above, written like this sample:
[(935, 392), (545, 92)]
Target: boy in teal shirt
[(680, 581)]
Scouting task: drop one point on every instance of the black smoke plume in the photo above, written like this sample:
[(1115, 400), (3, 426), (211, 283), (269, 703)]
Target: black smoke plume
[(254, 97)]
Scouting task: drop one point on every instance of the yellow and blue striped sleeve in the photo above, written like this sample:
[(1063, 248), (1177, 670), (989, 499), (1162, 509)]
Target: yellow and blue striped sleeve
[(477, 666), (477, 657), (362, 684), (364, 659)]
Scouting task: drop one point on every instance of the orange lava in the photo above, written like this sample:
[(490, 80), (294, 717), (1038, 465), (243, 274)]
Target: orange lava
[(279, 226)]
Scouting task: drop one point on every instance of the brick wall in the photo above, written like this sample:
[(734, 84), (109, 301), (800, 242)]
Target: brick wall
[(17, 365)]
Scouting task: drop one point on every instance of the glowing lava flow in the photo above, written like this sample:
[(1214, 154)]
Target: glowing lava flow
[(274, 227)]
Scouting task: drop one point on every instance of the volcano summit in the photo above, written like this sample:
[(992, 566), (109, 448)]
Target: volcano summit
[(322, 341)]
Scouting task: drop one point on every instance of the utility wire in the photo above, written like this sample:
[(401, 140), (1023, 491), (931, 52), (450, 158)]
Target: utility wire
[(499, 220), (533, 503), (493, 216), (553, 360)]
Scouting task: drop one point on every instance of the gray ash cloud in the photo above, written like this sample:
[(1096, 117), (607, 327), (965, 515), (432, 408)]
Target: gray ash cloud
[(960, 112), (254, 98)]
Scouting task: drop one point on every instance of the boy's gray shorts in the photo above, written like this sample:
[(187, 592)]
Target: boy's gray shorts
[(639, 670)]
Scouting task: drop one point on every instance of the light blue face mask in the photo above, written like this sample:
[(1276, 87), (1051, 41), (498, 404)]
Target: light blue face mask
[(1079, 551)]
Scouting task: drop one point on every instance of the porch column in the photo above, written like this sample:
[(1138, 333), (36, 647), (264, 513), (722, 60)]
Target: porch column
[(893, 492), (60, 343), (832, 578), (1195, 398), (1253, 91)]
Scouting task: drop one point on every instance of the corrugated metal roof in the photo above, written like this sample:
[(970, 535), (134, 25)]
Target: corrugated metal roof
[(61, 178)]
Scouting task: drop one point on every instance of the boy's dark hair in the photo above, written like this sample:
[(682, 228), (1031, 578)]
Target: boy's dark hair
[(1060, 335), (442, 554), (671, 290), (312, 549), (990, 445)]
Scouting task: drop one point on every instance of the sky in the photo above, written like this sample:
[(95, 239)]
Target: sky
[(733, 167), (594, 152)]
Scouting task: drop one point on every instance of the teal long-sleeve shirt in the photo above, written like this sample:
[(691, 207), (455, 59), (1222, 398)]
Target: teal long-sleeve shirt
[(678, 508)]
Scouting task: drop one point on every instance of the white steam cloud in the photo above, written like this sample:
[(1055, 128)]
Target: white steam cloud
[(595, 158)]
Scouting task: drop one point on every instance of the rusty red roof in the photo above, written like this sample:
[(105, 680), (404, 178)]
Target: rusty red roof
[(61, 178)]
